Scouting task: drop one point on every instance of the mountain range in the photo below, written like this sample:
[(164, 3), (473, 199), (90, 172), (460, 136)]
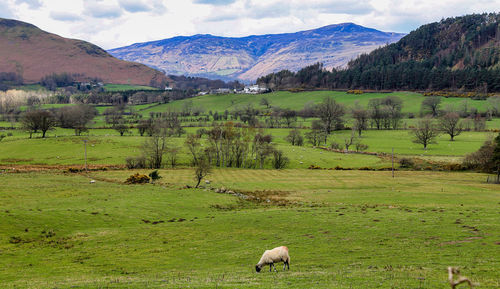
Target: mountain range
[(33, 53), (247, 58)]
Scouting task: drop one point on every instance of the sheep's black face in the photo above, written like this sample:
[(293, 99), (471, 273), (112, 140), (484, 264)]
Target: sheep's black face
[(257, 268)]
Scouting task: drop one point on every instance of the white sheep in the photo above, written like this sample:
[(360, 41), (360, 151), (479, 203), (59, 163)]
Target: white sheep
[(276, 255)]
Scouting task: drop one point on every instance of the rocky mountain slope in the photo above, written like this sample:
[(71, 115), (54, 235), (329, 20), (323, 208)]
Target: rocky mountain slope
[(33, 53), (247, 58)]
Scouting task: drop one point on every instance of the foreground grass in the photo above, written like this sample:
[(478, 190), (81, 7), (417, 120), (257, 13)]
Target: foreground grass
[(345, 229)]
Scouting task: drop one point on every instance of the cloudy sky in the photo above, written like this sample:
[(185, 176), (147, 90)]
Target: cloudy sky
[(115, 23)]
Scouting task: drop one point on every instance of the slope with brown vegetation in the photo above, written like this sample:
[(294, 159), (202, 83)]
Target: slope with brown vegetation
[(34, 53)]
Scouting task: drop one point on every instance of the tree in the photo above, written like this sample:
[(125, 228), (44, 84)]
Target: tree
[(495, 158), (360, 116), (76, 117), (330, 114), (280, 160), (265, 101), (450, 123), (432, 103), (144, 125), (202, 170), (121, 127), (193, 144), (348, 141), (290, 116), (154, 148), (425, 133), (39, 119), (295, 138), (376, 112)]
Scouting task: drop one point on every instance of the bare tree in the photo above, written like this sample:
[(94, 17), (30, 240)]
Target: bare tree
[(360, 116), (154, 149), (193, 144), (350, 140), (426, 132), (330, 113), (450, 123), (432, 103), (39, 119), (202, 170), (121, 127), (494, 103), (295, 138), (172, 156)]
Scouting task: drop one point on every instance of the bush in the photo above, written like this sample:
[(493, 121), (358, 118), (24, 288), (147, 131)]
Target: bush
[(136, 162), (335, 146), (406, 163), (361, 147), (137, 179), (314, 167), (154, 175)]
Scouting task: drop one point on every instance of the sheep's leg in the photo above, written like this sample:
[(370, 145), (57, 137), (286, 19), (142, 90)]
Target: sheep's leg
[(285, 264), (271, 267)]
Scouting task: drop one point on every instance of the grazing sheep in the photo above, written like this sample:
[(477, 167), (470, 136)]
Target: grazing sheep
[(276, 255)]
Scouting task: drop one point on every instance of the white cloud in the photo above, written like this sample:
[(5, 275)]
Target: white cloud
[(64, 16), (134, 6), (32, 4), (114, 23), (102, 9)]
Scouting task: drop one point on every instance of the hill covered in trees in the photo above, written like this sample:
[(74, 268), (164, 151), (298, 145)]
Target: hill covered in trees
[(461, 53)]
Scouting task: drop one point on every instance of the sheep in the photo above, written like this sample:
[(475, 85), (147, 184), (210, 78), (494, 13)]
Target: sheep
[(276, 255)]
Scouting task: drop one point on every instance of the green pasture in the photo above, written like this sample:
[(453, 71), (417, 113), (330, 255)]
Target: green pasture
[(344, 229), (125, 87), (296, 100), (106, 147)]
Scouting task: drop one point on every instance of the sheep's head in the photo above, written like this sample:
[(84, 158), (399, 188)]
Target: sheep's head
[(257, 268)]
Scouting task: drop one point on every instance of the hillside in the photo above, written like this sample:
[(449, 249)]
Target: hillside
[(250, 57), (33, 53), (455, 53)]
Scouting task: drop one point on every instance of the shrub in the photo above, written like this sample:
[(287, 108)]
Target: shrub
[(137, 179), (314, 167), (136, 162), (74, 170), (335, 146), (361, 147), (406, 163), (154, 175)]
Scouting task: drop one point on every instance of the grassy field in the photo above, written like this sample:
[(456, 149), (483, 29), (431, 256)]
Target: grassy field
[(344, 229), (106, 147), (124, 87), (285, 99)]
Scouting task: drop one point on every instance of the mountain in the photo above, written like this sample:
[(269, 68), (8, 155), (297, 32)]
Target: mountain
[(249, 57), (460, 53), (33, 53)]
